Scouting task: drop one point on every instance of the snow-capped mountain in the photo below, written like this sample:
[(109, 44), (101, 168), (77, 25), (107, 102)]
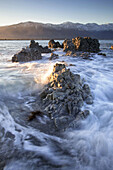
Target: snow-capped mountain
[(87, 27), (70, 25), (35, 30)]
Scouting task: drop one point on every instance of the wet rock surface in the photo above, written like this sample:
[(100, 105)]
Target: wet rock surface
[(36, 45), (33, 52), (27, 55), (83, 55), (103, 54), (64, 96), (85, 44), (53, 56), (53, 44)]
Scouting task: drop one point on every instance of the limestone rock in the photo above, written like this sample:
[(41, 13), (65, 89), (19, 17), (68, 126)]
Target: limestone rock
[(64, 96), (35, 45), (27, 55), (53, 44), (85, 44), (33, 52), (68, 45)]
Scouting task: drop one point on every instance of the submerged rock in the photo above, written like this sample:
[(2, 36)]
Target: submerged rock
[(34, 114), (64, 96), (85, 44), (33, 52), (83, 55), (103, 54)]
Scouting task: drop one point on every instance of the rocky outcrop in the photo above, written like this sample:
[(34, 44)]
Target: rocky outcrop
[(64, 96), (85, 44), (53, 44), (53, 56), (68, 46), (111, 47), (27, 54), (103, 54), (83, 55), (33, 52), (35, 45)]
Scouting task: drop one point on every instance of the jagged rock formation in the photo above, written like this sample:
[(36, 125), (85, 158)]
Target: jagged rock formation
[(53, 44), (36, 45), (33, 52), (85, 44), (27, 55), (64, 96)]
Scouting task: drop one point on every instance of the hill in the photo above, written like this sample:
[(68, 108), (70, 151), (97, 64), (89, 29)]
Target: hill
[(34, 30)]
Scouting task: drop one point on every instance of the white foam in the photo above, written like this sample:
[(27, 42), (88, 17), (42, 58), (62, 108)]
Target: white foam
[(90, 147)]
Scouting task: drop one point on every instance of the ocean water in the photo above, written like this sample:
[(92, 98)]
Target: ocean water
[(26, 145)]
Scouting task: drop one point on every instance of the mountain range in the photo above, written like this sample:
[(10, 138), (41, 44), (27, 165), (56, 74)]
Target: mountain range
[(35, 30)]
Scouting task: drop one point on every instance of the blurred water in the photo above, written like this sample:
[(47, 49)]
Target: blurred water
[(23, 145)]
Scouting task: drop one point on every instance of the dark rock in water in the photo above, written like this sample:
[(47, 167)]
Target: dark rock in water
[(85, 113), (72, 65), (34, 114), (86, 94), (64, 96), (27, 55), (44, 49), (53, 44), (63, 121), (83, 55), (33, 52), (69, 53), (89, 100), (33, 44), (58, 44), (111, 47), (68, 45), (53, 56), (85, 44), (103, 54), (36, 45)]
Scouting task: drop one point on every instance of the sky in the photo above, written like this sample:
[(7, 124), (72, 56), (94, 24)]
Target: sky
[(56, 11)]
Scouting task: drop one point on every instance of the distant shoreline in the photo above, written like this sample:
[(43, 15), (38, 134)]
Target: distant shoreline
[(39, 39), (26, 39)]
